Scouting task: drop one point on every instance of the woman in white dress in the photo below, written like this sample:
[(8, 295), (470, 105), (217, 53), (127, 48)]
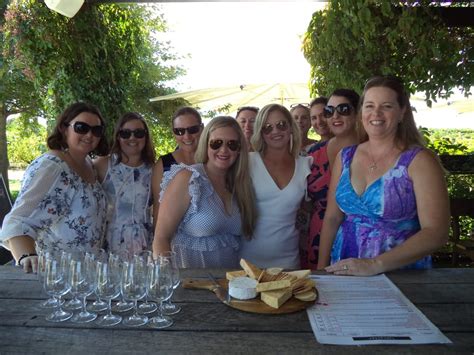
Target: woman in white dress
[(61, 203), (126, 178), (279, 178)]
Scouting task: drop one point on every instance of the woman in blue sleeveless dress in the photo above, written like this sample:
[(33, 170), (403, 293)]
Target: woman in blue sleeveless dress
[(388, 205), (207, 208), (126, 179)]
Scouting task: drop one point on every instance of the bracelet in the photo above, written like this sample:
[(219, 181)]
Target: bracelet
[(24, 256)]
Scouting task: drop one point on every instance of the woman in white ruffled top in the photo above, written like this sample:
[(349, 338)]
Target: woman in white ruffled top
[(208, 207), (126, 179), (61, 203)]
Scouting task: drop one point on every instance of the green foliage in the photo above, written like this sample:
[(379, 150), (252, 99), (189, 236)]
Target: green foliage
[(351, 41), (107, 54), (26, 141)]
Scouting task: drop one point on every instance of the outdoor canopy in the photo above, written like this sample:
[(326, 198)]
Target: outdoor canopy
[(233, 97)]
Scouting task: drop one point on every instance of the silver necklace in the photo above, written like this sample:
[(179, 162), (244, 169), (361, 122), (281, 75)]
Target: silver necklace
[(373, 165)]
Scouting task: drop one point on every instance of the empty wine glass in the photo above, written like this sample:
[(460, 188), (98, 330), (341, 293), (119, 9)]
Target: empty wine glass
[(160, 288), (74, 303), (98, 305), (108, 287), (168, 307), (122, 305), (51, 302), (57, 283), (134, 276), (147, 307), (83, 283)]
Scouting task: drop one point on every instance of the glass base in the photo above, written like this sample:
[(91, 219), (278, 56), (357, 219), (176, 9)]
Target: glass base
[(59, 316), (97, 306), (147, 307), (170, 308), (122, 306), (135, 321), (83, 317), (160, 322), (51, 303), (109, 320), (73, 304)]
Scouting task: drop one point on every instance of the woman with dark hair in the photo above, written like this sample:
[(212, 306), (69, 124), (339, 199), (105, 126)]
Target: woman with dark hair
[(208, 207), (187, 127), (340, 114), (318, 121), (61, 203), (388, 204), (126, 179)]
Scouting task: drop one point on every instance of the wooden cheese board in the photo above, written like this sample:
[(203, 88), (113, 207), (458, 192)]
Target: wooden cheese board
[(254, 305)]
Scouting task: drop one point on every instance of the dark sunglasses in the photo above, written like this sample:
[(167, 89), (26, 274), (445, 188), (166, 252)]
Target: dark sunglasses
[(281, 126), (190, 130), (231, 144), (83, 128), (342, 109), (127, 133)]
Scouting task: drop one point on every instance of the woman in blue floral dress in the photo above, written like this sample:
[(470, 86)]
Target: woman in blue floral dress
[(388, 205), (61, 203), (126, 179)]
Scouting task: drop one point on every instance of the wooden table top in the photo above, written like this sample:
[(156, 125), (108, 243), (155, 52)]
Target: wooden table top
[(445, 296)]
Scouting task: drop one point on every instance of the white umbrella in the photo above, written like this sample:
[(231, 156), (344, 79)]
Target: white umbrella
[(233, 97)]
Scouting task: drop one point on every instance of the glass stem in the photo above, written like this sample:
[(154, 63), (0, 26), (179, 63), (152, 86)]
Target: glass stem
[(84, 304), (109, 309), (135, 306), (160, 311)]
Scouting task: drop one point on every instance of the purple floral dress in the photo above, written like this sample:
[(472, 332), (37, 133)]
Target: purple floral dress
[(57, 208), (380, 219)]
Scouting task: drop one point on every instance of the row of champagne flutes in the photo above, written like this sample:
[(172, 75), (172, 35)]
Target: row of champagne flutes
[(132, 277)]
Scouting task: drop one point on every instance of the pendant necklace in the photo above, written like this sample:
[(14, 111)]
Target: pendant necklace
[(373, 165)]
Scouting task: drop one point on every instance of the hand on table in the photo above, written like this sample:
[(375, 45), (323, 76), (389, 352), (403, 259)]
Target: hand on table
[(30, 264), (358, 267)]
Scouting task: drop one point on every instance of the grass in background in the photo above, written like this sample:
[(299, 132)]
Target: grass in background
[(14, 188)]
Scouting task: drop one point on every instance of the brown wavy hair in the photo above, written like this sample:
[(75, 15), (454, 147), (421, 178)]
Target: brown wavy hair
[(148, 155), (57, 139)]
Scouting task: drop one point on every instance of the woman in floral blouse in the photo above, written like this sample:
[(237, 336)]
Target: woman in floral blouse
[(61, 203)]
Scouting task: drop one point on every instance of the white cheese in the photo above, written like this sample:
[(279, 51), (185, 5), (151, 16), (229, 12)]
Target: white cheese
[(243, 288)]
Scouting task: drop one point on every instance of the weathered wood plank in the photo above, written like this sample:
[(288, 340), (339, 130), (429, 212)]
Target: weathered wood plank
[(107, 341)]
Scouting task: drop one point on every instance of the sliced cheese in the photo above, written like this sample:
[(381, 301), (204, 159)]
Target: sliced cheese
[(300, 274), (276, 298), (306, 296), (243, 288), (273, 285), (251, 270), (230, 275)]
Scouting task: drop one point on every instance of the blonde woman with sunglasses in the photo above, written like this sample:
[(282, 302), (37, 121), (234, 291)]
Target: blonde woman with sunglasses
[(187, 128), (279, 178), (208, 208), (126, 178), (61, 203)]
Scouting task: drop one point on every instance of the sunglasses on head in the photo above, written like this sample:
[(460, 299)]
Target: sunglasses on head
[(84, 128), (297, 105), (127, 133), (190, 130), (280, 125), (231, 144), (342, 109)]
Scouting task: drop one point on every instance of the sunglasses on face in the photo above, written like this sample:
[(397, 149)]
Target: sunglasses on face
[(281, 126), (127, 133), (232, 144), (190, 130), (83, 128), (342, 109)]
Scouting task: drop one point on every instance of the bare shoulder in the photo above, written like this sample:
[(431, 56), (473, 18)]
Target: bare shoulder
[(425, 163)]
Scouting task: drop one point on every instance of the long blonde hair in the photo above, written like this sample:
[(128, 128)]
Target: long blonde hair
[(237, 177), (257, 140), (407, 134)]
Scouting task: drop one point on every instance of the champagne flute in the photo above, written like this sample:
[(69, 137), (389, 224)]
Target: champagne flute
[(134, 276), (108, 287), (122, 305), (168, 307), (57, 283), (83, 283), (147, 307), (160, 288)]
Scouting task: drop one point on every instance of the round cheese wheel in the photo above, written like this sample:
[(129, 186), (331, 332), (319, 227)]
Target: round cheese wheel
[(243, 288)]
